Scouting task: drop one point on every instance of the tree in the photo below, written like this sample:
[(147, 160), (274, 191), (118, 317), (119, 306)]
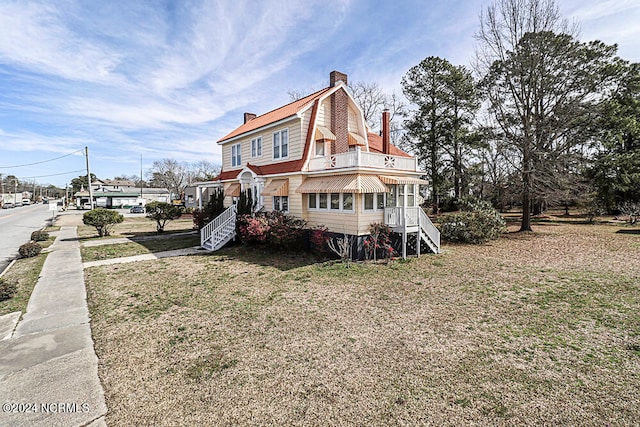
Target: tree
[(446, 100), (616, 165), (81, 182), (162, 213), (543, 89), (102, 219), (202, 171), (169, 174)]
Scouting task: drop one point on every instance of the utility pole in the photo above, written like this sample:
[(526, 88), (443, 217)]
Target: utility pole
[(86, 151), (141, 177)]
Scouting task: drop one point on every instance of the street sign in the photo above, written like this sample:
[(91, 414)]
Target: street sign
[(53, 206)]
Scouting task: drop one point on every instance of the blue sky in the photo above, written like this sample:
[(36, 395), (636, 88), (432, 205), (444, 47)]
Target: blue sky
[(166, 79)]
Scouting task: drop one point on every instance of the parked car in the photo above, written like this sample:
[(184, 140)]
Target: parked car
[(26, 202), (7, 205), (137, 209)]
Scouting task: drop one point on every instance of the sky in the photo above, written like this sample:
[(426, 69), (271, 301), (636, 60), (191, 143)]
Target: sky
[(151, 80)]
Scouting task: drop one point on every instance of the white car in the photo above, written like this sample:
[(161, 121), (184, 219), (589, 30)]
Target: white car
[(26, 202)]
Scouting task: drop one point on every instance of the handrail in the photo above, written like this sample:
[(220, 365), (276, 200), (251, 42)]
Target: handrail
[(219, 221), (430, 230)]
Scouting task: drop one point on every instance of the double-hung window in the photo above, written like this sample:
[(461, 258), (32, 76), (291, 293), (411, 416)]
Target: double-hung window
[(373, 201), (256, 147), (281, 144), (281, 203), (236, 155)]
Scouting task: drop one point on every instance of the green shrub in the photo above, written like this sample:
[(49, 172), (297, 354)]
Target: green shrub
[(162, 213), (8, 288), (39, 236), (478, 222), (29, 250), (102, 219)]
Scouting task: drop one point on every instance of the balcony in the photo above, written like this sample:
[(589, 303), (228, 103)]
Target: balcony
[(363, 159)]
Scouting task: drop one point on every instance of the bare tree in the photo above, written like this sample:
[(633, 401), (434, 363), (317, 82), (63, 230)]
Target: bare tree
[(170, 174), (542, 86)]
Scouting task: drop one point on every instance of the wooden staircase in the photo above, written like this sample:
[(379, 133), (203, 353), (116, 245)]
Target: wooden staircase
[(410, 222), (220, 231)]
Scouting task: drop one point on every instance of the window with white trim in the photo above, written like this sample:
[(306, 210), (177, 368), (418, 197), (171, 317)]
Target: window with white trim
[(319, 148), (236, 155), (373, 201), (342, 202), (281, 144), (256, 147), (281, 203)]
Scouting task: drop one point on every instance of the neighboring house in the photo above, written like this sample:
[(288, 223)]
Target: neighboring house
[(316, 159), (119, 196)]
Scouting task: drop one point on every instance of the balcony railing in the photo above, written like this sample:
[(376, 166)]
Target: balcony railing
[(361, 158)]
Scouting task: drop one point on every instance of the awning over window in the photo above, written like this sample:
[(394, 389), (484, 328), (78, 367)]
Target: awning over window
[(277, 187), (343, 184), (402, 180), (355, 139), (324, 133), (233, 190)]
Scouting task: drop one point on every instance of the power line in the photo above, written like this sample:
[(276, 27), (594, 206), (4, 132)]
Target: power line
[(44, 161), (55, 174)]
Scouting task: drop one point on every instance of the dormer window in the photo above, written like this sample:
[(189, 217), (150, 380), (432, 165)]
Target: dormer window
[(320, 148)]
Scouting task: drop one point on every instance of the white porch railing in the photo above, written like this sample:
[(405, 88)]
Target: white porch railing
[(361, 158), (220, 229), (413, 217)]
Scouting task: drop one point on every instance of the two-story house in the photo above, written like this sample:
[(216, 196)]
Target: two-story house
[(316, 159)]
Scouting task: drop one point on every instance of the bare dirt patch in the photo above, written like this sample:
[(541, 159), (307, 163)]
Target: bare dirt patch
[(533, 329)]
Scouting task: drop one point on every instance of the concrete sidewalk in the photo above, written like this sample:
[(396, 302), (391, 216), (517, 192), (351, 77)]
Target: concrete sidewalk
[(48, 368)]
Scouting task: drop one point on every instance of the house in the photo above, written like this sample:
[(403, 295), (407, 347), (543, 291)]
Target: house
[(119, 194), (315, 158)]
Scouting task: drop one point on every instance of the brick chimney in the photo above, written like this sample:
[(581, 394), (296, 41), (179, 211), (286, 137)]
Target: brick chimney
[(249, 116), (339, 114), (386, 136)]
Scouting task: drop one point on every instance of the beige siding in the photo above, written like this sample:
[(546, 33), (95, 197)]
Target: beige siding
[(324, 113), (296, 144), (295, 199), (335, 221)]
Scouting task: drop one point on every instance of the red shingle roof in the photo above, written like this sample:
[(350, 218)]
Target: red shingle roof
[(276, 115), (375, 145)]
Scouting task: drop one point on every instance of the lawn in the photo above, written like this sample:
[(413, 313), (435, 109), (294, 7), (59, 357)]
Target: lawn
[(136, 226), (534, 329), (25, 272), (95, 253)]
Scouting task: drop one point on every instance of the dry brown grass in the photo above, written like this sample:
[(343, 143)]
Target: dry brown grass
[(534, 329)]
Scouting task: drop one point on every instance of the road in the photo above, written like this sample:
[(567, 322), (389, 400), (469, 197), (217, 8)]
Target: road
[(16, 226)]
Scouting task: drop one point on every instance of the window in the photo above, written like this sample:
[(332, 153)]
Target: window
[(411, 195), (319, 148), (281, 144), (347, 202), (236, 155), (368, 201), (281, 203), (373, 201), (380, 202), (256, 147), (334, 201), (323, 201), (313, 201), (392, 196)]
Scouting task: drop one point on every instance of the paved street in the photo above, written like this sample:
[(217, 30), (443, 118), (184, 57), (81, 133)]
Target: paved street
[(16, 226)]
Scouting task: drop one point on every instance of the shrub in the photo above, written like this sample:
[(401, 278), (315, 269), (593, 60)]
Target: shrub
[(199, 219), (274, 228), (378, 243), (162, 213), (39, 236), (631, 210), (319, 237), (8, 288), (102, 219), (29, 250), (477, 223)]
